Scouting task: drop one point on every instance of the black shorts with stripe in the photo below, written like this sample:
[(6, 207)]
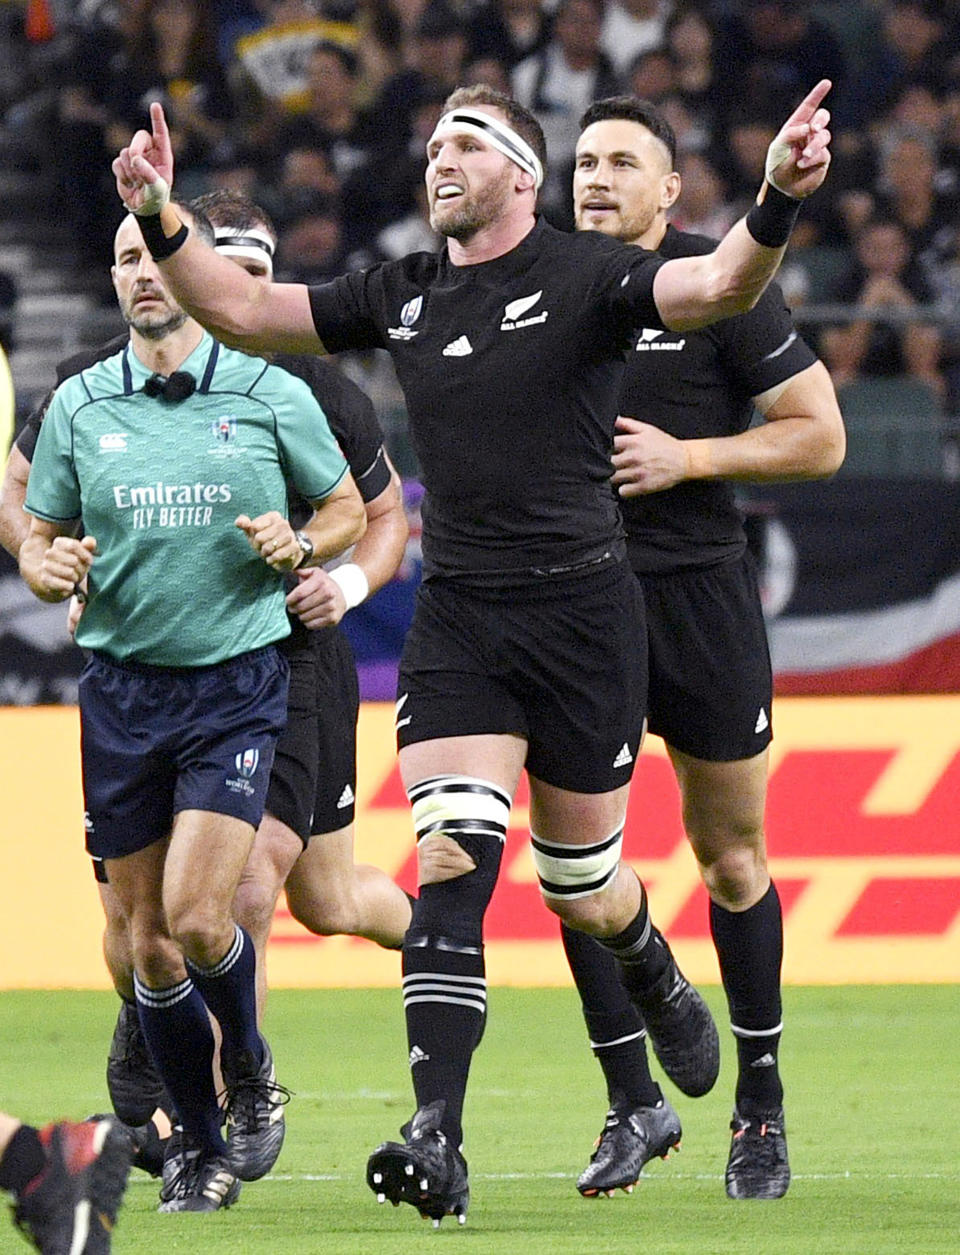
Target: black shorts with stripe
[(710, 676), (314, 776), (562, 664)]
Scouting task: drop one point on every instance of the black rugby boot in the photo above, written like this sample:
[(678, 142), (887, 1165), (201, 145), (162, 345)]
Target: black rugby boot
[(758, 1166), (631, 1137), (133, 1082), (681, 1028), (424, 1171)]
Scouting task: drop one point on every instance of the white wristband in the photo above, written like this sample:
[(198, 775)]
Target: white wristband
[(353, 583)]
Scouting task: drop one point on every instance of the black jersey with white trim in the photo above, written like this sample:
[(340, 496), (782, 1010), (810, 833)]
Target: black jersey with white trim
[(511, 370), (694, 384), (353, 421)]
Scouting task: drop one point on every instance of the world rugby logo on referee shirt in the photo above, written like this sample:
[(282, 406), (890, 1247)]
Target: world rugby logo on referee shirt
[(224, 429)]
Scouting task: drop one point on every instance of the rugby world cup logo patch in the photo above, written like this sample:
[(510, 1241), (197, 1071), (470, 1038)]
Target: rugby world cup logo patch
[(411, 311), (247, 762), (224, 429)]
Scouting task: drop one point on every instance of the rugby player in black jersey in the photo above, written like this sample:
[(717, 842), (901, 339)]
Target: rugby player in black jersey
[(690, 398), (527, 648), (313, 778)]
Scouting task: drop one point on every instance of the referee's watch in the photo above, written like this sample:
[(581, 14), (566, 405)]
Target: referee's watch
[(306, 548)]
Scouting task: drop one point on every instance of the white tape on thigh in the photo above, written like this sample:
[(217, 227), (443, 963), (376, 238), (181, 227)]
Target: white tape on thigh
[(448, 805), (575, 871)]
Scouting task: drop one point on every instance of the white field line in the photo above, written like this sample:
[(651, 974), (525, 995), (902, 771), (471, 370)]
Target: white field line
[(659, 1179)]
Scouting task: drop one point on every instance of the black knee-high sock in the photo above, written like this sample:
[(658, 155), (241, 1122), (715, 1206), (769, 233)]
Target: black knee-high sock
[(444, 979), (749, 948), (444, 1001), (613, 1022), (229, 990), (641, 950), (178, 1034)]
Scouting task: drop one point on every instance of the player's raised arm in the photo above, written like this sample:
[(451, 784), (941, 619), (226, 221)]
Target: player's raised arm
[(234, 307), (691, 292)]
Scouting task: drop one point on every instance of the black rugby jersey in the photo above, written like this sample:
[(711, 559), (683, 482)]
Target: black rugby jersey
[(694, 384), (511, 370)]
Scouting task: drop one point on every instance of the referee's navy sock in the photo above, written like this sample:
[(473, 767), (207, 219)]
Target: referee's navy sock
[(641, 950), (23, 1159), (178, 1033), (613, 1022), (229, 990), (749, 948)]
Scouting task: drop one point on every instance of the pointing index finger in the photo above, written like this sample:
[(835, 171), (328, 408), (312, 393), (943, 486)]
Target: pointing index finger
[(161, 134), (808, 106)]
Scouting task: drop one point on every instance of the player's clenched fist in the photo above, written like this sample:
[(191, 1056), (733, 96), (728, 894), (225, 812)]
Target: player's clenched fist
[(63, 566), (273, 539)]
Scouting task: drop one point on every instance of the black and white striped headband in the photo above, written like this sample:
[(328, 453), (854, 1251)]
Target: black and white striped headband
[(498, 134), (252, 242)]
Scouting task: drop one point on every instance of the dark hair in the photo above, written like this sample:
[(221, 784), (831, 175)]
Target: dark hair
[(519, 117), (224, 208), (633, 109), (201, 223)]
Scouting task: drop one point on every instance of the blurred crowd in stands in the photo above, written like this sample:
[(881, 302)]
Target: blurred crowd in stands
[(321, 110)]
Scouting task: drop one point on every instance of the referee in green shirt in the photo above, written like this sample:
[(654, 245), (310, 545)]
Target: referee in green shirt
[(173, 452)]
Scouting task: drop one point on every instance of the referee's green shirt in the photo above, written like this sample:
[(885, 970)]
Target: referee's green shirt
[(159, 485)]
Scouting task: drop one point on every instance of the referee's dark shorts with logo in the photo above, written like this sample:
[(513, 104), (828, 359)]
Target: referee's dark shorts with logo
[(710, 676), (561, 663), (159, 740), (314, 776)]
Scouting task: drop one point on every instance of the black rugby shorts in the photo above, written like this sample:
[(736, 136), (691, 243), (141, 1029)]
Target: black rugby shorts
[(159, 740), (562, 664), (710, 677), (314, 775)]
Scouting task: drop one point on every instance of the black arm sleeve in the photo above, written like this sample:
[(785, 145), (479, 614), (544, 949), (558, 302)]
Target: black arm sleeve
[(762, 348), (352, 420), (343, 312)]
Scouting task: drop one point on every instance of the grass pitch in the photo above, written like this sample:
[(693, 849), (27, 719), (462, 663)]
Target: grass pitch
[(873, 1118)]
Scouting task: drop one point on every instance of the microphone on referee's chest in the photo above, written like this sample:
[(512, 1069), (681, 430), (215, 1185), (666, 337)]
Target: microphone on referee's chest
[(176, 387)]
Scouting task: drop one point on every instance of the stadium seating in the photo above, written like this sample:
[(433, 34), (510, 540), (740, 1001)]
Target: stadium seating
[(894, 427)]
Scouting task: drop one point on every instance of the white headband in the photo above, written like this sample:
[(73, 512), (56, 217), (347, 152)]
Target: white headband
[(252, 242), (498, 134)]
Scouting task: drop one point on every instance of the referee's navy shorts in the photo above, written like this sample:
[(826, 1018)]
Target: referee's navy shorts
[(710, 676), (159, 740), (562, 664), (314, 777)]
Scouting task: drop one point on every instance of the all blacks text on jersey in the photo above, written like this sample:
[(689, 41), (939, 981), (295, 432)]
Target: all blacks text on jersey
[(650, 342)]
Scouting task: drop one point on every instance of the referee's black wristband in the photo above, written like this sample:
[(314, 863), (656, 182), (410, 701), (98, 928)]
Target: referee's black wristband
[(771, 222), (161, 246)]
